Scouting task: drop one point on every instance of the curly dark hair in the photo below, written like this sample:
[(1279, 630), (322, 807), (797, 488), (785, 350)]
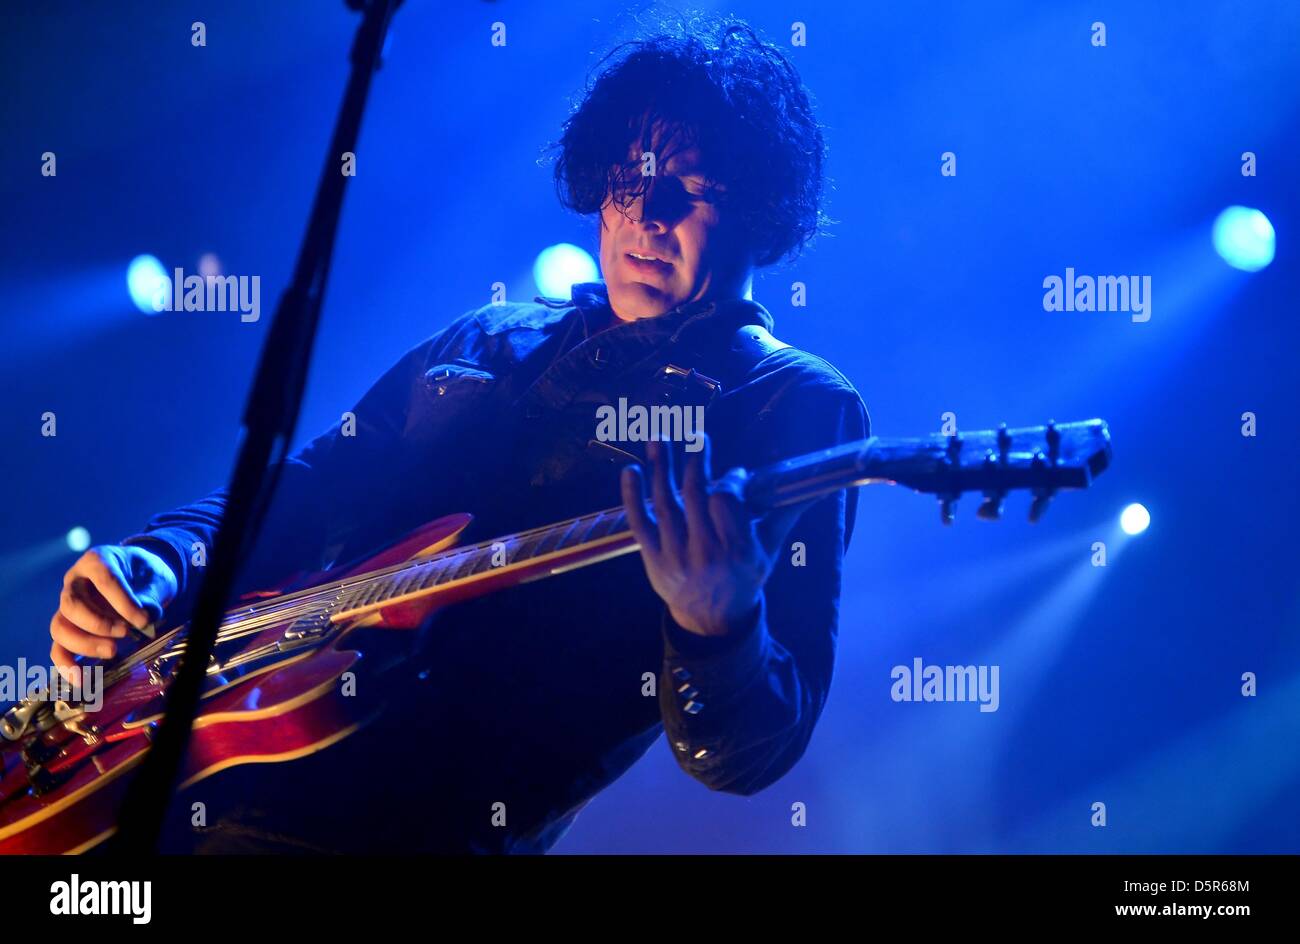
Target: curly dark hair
[(716, 84)]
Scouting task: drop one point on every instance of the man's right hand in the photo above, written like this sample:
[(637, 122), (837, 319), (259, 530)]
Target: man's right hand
[(109, 587)]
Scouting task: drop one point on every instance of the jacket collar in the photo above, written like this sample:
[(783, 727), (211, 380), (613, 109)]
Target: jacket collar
[(592, 298)]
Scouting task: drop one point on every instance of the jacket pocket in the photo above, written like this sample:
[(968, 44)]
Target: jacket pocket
[(448, 398), (441, 378)]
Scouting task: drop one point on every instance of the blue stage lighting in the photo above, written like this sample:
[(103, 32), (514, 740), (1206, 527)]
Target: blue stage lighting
[(1134, 519), (559, 267), (1244, 238), (145, 280), (78, 539)]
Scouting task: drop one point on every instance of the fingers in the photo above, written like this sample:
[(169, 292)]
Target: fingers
[(638, 516), (106, 575), (695, 498), (86, 616), (672, 523), (731, 519), (95, 606), (66, 664), (74, 639)]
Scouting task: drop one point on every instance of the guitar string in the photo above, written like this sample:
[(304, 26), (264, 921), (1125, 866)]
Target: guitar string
[(300, 603), (312, 600), (291, 606), (309, 601), (305, 602)]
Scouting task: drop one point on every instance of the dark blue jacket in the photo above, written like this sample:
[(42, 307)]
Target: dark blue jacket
[(538, 697)]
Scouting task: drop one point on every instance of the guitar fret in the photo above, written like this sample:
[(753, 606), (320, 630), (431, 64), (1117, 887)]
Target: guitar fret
[(446, 569), (473, 561), (551, 538), (598, 526), (603, 522), (612, 524), (528, 546), (478, 559), (568, 540), (372, 593), (362, 594), (403, 585), (482, 562), (460, 565), (560, 536), (588, 524), (387, 588)]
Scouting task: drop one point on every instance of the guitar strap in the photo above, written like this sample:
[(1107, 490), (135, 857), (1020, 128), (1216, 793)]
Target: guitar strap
[(702, 374)]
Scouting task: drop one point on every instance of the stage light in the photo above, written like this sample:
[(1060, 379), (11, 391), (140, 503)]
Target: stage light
[(78, 539), (1244, 238), (559, 267), (1134, 519), (145, 280)]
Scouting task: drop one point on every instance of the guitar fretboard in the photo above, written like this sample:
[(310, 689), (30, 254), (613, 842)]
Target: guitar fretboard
[(464, 562)]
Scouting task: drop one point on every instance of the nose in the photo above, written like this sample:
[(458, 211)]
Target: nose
[(655, 209)]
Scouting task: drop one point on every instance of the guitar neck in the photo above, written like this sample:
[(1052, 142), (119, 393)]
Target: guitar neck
[(588, 539), (1038, 459)]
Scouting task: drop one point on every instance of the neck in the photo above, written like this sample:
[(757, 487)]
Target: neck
[(744, 291)]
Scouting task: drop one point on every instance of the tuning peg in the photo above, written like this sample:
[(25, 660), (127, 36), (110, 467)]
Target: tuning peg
[(1004, 443), (1053, 442), (1042, 494), (1042, 497), (991, 508), (948, 500)]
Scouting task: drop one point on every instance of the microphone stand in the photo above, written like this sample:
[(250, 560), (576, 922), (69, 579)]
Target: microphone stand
[(269, 420)]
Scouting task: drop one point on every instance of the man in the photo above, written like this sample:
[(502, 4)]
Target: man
[(698, 151)]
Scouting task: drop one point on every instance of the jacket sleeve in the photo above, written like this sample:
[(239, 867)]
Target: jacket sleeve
[(739, 710), (328, 470)]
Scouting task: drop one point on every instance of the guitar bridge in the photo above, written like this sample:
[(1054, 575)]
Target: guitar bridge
[(32, 713)]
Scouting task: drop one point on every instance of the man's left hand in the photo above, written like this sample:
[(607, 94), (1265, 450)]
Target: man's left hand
[(704, 553)]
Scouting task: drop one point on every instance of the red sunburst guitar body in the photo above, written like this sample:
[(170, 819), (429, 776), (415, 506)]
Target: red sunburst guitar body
[(285, 706)]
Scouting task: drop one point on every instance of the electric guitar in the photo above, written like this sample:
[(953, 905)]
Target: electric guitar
[(274, 688)]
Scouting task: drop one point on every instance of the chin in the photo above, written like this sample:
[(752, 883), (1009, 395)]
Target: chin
[(633, 300)]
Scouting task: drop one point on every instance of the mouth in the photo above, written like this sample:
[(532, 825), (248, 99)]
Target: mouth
[(647, 263)]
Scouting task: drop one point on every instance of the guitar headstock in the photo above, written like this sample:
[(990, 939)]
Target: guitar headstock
[(1038, 459)]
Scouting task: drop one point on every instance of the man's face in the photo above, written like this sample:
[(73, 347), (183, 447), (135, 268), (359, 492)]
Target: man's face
[(695, 251)]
